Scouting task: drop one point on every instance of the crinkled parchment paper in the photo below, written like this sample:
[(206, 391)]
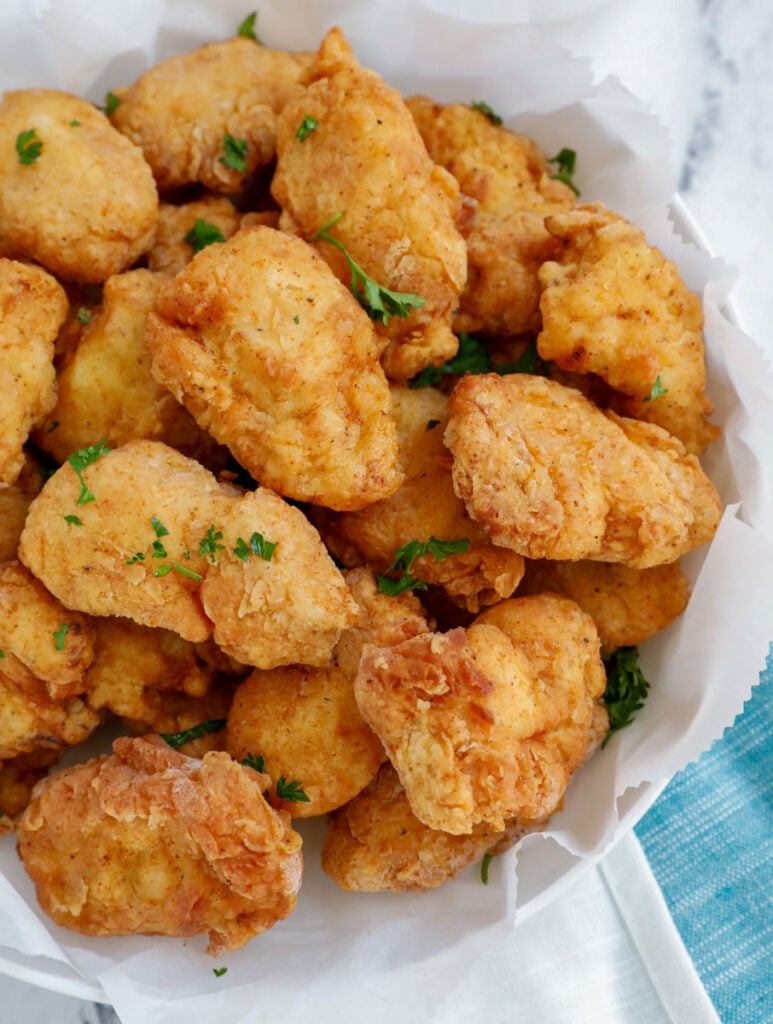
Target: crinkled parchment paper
[(346, 956)]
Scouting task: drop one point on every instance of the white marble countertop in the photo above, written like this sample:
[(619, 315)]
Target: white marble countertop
[(705, 68)]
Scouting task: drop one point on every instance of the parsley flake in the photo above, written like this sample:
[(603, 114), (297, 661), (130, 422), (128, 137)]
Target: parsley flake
[(258, 546), (247, 28), (484, 866), (112, 102), (404, 557), (158, 527), (72, 520), (472, 357), (291, 791), (657, 391), (59, 635), (306, 127), (255, 761), (28, 146), (138, 557), (2, 654), (203, 234), (529, 362), (84, 316), (187, 572), (219, 971), (566, 160), (296, 319), (379, 303), (80, 460), (626, 689), (484, 108), (162, 570), (234, 153), (177, 739), (75, 124), (209, 545), (159, 551)]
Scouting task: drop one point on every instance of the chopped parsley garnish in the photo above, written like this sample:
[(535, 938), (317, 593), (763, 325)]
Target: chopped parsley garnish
[(529, 362), (138, 557), (187, 572), (159, 551), (404, 557), (158, 527), (431, 424), (203, 234), (566, 159), (167, 567), (2, 654), (162, 570), (59, 635), (84, 316), (258, 546), (72, 520), (473, 357), (484, 108), (255, 761), (306, 127), (80, 460), (209, 545), (626, 689), (291, 791), (296, 319), (484, 866), (379, 303), (112, 102), (28, 146), (177, 739), (657, 391), (75, 124), (234, 153), (247, 28), (219, 971)]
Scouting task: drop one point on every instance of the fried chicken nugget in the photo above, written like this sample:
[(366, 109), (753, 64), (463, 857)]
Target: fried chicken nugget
[(32, 309), (425, 506), (627, 605), (157, 545), (549, 475), (30, 719), (613, 305), (183, 110), (17, 778), (485, 725), (171, 252), (305, 723), (79, 232), (148, 841), (14, 504), (272, 355), (365, 159), (509, 190)]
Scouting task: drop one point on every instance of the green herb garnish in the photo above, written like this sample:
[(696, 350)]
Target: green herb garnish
[(258, 546), (209, 544), (528, 362), (80, 460), (484, 866), (219, 971), (472, 357), (203, 234), (247, 28), (566, 159), (84, 316), (59, 635), (484, 108), (291, 791), (657, 391), (138, 557), (177, 739), (75, 124), (28, 146), (112, 102), (158, 527), (234, 153), (2, 654), (255, 761), (404, 557), (187, 572), (626, 689), (306, 127), (159, 551), (72, 520)]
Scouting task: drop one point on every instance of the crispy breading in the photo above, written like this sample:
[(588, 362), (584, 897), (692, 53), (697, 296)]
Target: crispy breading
[(613, 305), (272, 355), (32, 309), (147, 549), (32, 720), (106, 389), (86, 207), (181, 109), (17, 777), (549, 475), (305, 723), (177, 712), (508, 189), (425, 506), (485, 725), (170, 252), (627, 605), (148, 841), (365, 159), (14, 503)]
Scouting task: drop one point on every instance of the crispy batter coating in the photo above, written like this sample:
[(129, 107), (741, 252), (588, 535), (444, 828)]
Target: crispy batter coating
[(180, 110), (177, 712), (627, 605), (170, 252), (14, 503), (305, 722), (32, 309), (425, 506), (86, 207), (376, 843), (17, 777), (119, 562), (32, 720), (148, 841), (613, 305), (485, 725), (508, 190), (274, 357), (366, 159), (106, 389), (549, 475), (41, 638)]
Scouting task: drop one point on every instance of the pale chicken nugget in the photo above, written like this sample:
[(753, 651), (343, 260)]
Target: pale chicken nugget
[(365, 159), (509, 189), (32, 309), (81, 232), (549, 475), (53, 643), (106, 388), (204, 221), (615, 306), (18, 775), (148, 841), (304, 723), (425, 506), (627, 605), (30, 719), (184, 110), (376, 843), (272, 355), (14, 504)]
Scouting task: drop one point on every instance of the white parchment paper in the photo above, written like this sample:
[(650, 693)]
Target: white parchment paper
[(344, 956)]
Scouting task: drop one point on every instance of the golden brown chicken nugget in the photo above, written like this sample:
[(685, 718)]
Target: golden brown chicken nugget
[(17, 778), (273, 356), (184, 110), (148, 841), (304, 723), (30, 719), (364, 159), (32, 309), (204, 221), (549, 475), (14, 503), (77, 195), (615, 306), (508, 187), (425, 506)]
